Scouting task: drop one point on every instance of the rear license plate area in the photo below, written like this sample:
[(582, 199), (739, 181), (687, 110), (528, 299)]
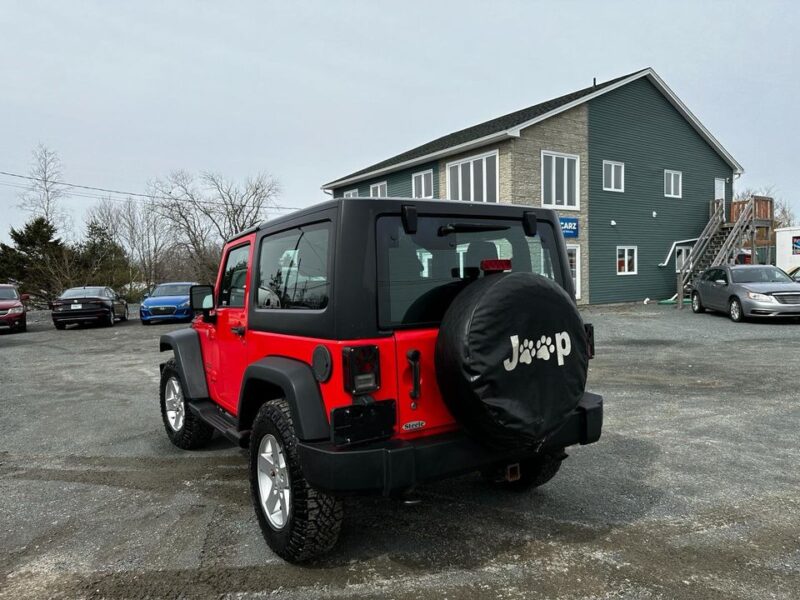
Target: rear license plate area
[(359, 423)]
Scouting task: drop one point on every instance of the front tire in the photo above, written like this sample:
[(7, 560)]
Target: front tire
[(184, 428), (299, 522), (735, 311), (697, 305), (60, 326)]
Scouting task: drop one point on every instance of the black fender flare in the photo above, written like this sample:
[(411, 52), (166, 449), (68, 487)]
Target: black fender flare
[(281, 377), (185, 345)]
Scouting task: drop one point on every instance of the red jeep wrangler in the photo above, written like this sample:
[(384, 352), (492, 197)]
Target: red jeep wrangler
[(370, 345)]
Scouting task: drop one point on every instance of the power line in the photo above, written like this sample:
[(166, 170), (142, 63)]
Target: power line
[(123, 193)]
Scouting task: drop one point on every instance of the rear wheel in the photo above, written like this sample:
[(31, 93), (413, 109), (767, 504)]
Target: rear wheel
[(697, 305), (298, 522), (111, 319), (125, 314), (735, 310), (184, 428)]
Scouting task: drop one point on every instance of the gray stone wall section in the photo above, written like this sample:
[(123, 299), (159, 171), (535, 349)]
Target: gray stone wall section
[(568, 133)]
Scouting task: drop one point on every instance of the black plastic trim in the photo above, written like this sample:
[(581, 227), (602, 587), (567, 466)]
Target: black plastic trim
[(185, 345), (296, 382), (396, 466)]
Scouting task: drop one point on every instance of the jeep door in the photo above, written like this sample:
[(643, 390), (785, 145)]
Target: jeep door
[(230, 329)]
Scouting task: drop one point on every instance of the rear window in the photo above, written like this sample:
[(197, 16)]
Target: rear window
[(83, 292), (420, 274)]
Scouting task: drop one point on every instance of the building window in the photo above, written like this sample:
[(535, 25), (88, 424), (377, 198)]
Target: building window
[(474, 179), (574, 260), (673, 184), (351, 194), (422, 184), (378, 190), (627, 260), (613, 176), (560, 181), (681, 254)]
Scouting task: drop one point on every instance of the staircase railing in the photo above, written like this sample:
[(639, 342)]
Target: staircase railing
[(691, 261), (736, 234)]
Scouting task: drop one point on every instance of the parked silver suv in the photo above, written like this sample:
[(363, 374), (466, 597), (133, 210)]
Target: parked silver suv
[(747, 291)]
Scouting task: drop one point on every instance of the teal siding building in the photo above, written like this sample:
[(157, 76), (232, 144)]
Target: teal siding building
[(630, 170)]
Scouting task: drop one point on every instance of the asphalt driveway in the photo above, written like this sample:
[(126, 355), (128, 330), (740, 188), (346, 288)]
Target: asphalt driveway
[(692, 492)]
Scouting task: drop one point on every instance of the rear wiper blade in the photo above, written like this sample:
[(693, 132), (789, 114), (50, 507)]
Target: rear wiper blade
[(468, 227)]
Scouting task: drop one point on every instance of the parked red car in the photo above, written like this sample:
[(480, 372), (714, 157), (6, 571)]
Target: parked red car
[(13, 314)]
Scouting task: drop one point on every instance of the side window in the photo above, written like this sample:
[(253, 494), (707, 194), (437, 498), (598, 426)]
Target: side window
[(293, 269), (232, 290)]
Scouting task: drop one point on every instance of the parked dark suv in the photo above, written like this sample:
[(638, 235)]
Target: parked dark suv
[(371, 345)]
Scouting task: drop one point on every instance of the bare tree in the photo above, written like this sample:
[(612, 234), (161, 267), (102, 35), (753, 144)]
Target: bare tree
[(46, 188), (784, 215), (206, 211), (139, 227)]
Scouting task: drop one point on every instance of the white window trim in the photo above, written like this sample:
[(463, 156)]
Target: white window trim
[(613, 164), (577, 249), (378, 185), (664, 183), (635, 260), (577, 158), (462, 161), (684, 249), (421, 174), (350, 193)]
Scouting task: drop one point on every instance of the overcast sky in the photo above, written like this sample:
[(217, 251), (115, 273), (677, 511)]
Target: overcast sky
[(311, 91)]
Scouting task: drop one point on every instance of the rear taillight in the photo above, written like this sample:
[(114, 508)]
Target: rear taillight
[(362, 373)]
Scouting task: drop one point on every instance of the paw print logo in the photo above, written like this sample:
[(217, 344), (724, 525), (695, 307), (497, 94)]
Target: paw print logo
[(544, 348), (527, 352)]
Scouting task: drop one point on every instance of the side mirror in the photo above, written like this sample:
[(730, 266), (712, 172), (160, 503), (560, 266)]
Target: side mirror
[(25, 297), (146, 295), (201, 299)]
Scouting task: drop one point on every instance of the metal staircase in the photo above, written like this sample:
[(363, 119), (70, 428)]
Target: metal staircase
[(717, 244)]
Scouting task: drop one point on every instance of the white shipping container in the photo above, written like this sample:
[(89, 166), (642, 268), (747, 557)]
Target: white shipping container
[(787, 248)]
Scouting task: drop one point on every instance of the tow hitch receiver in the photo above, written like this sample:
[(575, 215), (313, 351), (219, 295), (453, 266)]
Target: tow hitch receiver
[(512, 472)]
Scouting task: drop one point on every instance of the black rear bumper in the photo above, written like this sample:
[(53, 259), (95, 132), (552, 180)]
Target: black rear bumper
[(395, 466)]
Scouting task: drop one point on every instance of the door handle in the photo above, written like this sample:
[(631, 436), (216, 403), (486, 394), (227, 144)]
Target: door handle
[(238, 330), (413, 361)]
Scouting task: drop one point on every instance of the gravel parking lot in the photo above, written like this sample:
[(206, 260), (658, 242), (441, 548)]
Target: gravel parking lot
[(693, 491)]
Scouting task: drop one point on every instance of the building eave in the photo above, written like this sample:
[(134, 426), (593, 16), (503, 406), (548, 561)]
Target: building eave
[(457, 149)]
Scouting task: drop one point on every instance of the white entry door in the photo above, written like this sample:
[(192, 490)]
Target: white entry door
[(719, 192)]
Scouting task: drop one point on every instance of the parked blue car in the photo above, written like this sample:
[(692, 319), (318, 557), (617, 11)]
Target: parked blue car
[(168, 301)]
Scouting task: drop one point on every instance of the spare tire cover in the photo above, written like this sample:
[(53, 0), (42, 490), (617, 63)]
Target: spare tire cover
[(512, 358)]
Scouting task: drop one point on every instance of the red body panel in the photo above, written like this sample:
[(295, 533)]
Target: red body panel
[(226, 355), (430, 408)]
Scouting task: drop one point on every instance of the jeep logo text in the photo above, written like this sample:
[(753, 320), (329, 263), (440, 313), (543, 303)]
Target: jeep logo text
[(560, 345)]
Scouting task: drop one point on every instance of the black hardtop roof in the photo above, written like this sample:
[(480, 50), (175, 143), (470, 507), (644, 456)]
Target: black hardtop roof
[(474, 209)]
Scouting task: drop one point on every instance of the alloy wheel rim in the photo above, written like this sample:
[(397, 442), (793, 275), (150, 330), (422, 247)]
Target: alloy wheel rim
[(273, 482), (735, 310), (174, 405), (695, 302)]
